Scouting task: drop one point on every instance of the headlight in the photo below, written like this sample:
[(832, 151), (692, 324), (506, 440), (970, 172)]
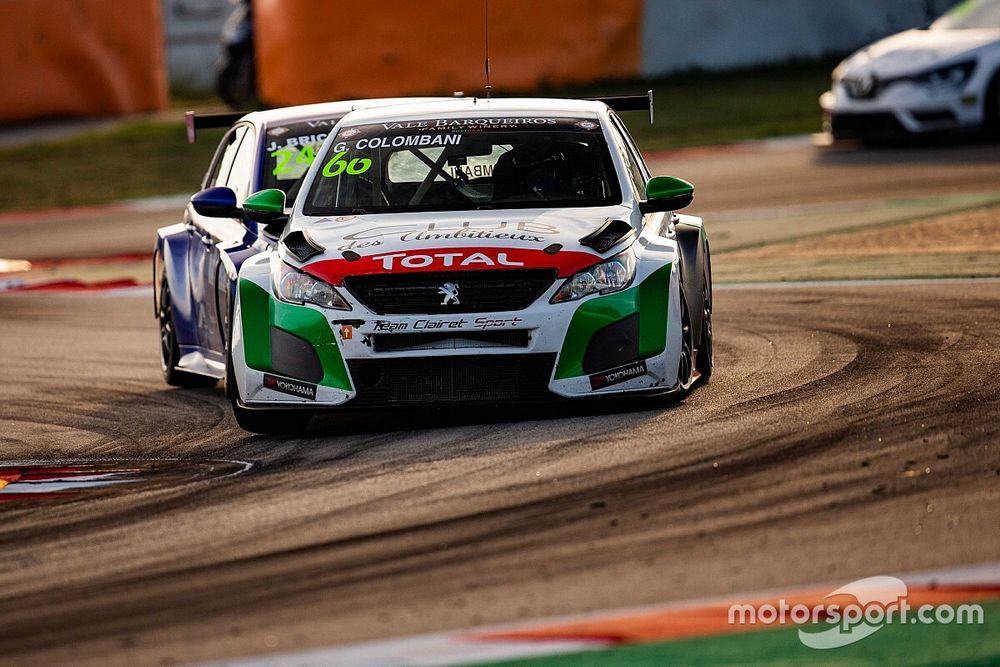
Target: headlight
[(297, 287), (611, 276), (953, 76)]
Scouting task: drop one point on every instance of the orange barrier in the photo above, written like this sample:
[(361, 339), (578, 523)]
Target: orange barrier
[(310, 51), (80, 58)]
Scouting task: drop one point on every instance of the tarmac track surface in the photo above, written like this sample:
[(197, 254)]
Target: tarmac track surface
[(849, 431)]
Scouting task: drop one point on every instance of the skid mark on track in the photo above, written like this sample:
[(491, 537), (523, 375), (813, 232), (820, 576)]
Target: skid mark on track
[(791, 461)]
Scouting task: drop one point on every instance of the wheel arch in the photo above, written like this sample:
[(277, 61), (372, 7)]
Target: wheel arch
[(692, 244), (230, 262), (170, 264), (991, 105)]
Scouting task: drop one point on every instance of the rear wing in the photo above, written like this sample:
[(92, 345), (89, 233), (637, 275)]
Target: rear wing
[(200, 121), (629, 103)]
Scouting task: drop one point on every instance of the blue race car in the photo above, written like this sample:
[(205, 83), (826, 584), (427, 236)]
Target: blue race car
[(196, 262)]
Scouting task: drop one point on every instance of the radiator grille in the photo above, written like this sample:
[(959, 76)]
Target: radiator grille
[(476, 291)]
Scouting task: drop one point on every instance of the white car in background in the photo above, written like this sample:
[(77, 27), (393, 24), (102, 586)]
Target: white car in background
[(919, 82)]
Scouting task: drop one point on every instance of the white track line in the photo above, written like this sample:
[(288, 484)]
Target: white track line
[(461, 646), (866, 282)]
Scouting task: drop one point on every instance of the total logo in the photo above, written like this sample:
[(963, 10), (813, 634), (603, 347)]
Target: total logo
[(476, 258), (444, 260)]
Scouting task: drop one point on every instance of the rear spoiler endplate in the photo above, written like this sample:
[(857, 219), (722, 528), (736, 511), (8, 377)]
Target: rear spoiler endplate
[(629, 103), (200, 121)]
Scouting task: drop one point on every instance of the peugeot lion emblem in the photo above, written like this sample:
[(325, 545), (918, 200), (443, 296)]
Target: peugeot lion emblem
[(450, 293)]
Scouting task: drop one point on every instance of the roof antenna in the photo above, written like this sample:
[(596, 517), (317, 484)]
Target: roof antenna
[(489, 88)]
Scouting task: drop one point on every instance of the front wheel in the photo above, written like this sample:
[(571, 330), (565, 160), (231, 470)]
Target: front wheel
[(705, 357), (170, 352), (991, 109), (685, 365)]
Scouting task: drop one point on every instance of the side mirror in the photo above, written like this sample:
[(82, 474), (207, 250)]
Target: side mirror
[(216, 203), (267, 207), (666, 193)]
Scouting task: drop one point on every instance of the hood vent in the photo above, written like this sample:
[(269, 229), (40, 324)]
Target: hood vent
[(608, 235), (301, 246)]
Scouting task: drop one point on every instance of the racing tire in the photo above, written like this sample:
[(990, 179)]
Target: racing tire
[(991, 109), (685, 366), (705, 359), (170, 352), (264, 422)]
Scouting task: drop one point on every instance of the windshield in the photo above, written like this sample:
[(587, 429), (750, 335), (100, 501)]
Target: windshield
[(970, 14), (457, 164), (290, 149)]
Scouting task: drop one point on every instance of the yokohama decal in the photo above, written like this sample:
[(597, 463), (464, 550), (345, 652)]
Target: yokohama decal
[(292, 387), (452, 259), (621, 374)]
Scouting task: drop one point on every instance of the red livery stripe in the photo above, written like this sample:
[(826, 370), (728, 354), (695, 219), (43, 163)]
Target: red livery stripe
[(565, 262)]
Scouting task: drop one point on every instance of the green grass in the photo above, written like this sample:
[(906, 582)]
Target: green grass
[(137, 159), (900, 645), (700, 108), (145, 158)]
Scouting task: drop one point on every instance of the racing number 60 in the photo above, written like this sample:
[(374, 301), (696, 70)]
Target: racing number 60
[(337, 165)]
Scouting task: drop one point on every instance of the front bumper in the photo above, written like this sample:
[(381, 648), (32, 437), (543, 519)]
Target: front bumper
[(287, 355), (901, 110)]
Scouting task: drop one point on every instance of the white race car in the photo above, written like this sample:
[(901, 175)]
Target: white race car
[(943, 79), (471, 251)]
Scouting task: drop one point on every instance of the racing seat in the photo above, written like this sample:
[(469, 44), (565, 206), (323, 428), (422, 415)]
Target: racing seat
[(532, 171)]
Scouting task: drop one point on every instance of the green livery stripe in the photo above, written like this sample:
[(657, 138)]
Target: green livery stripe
[(654, 292), (255, 312), (649, 299), (312, 326), (260, 311)]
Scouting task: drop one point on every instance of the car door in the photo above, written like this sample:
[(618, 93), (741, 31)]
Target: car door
[(230, 169), (235, 243), (637, 170)]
